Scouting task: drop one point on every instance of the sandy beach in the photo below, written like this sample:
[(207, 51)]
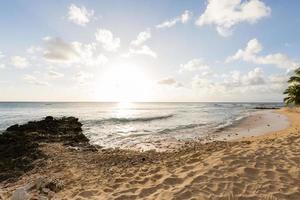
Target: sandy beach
[(149, 100), (249, 166)]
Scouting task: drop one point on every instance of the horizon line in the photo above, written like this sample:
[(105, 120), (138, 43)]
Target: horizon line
[(142, 102)]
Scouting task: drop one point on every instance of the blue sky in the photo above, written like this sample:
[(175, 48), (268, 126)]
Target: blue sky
[(192, 50)]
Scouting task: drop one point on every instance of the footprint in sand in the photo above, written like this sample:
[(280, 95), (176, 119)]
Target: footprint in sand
[(88, 194)]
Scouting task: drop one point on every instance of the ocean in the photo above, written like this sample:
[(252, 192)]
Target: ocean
[(129, 124)]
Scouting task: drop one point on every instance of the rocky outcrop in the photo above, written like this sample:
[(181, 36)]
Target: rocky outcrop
[(19, 144), (266, 108)]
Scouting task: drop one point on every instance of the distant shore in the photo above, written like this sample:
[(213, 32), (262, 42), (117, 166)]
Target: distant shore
[(265, 166)]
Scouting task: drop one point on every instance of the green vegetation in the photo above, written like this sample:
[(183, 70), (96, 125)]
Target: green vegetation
[(293, 90)]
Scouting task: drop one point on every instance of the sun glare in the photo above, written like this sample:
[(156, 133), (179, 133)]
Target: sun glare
[(125, 83)]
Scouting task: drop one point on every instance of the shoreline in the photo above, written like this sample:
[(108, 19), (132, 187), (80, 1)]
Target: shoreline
[(257, 124), (260, 167)]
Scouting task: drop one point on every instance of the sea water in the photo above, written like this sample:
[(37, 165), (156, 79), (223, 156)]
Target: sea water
[(127, 124)]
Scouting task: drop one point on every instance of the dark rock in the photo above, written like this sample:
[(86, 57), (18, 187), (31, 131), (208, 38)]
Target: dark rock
[(49, 118), (13, 127), (19, 144), (54, 185), (266, 108)]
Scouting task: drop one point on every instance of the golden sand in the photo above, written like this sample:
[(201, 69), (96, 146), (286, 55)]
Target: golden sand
[(263, 167)]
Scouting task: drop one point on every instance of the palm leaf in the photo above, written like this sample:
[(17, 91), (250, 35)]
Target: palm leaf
[(294, 79), (297, 71)]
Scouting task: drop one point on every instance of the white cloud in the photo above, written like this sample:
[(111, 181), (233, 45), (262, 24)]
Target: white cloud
[(2, 66), (1, 55), (279, 79), (234, 79), (278, 59), (35, 81), (73, 52), (80, 16), (142, 38), (34, 49), (169, 81), (250, 54), (193, 65), (184, 18), (144, 50), (83, 78), (59, 50), (200, 82), (54, 74), (236, 86), (278, 83), (19, 62), (88, 54), (226, 14), (137, 47), (253, 47), (253, 77), (107, 39)]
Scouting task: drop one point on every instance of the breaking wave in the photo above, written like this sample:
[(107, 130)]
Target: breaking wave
[(133, 119), (178, 128)]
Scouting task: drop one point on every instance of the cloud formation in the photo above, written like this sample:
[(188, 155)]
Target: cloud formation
[(137, 46), (143, 50), (35, 81), (226, 14), (88, 54), (183, 18), (193, 65), (107, 39), (253, 48), (54, 74), (253, 77), (80, 16), (1, 55), (2, 66), (141, 38), (170, 82), (235, 83), (19, 62), (58, 50), (83, 77)]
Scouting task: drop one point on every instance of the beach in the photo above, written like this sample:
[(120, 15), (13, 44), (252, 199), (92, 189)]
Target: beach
[(149, 100), (247, 165)]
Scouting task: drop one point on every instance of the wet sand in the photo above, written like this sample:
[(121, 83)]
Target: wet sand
[(261, 167), (256, 124)]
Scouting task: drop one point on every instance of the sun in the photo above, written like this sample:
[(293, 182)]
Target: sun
[(124, 83)]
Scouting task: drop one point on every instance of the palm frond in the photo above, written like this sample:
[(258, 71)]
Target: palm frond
[(294, 79), (297, 71)]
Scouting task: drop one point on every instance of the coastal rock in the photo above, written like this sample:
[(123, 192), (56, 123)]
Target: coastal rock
[(20, 194), (41, 188), (19, 144), (49, 118), (266, 108)]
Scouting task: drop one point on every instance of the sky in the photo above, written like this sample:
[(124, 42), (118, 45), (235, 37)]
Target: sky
[(148, 50)]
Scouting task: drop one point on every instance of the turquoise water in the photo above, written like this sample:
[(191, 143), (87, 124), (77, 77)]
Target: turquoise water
[(127, 124)]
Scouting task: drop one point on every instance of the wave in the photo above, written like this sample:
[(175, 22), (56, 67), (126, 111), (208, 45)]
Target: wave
[(132, 119), (178, 128), (230, 123)]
